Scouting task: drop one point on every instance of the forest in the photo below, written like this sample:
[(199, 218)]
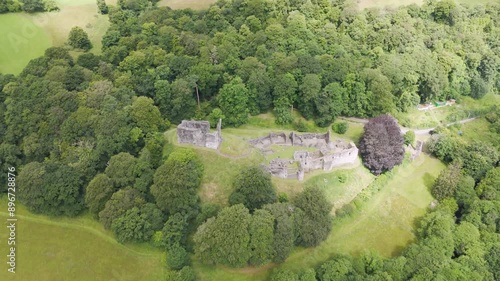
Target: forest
[(86, 131)]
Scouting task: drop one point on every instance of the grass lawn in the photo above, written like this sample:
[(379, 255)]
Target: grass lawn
[(26, 36), (82, 13), (385, 224), (395, 3), (21, 41), (184, 4), (51, 249)]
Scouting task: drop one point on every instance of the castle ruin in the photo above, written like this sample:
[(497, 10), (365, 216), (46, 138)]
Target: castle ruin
[(198, 133), (329, 154)]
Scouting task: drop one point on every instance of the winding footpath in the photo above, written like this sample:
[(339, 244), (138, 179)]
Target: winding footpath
[(404, 129)]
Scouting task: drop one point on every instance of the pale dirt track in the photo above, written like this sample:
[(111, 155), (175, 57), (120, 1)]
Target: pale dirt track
[(404, 129)]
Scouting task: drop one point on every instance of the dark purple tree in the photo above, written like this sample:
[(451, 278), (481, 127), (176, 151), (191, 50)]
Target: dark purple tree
[(381, 146)]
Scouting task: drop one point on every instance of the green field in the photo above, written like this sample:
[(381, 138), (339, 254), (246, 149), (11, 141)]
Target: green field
[(51, 249), (25, 37), (21, 41)]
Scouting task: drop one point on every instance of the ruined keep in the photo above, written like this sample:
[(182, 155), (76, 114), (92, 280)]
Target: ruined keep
[(330, 153), (198, 133)]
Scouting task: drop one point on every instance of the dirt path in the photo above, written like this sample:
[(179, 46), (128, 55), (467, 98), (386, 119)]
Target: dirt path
[(404, 129)]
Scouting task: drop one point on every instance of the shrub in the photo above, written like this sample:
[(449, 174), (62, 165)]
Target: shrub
[(340, 128), (342, 178), (300, 126), (409, 137), (103, 8), (79, 39)]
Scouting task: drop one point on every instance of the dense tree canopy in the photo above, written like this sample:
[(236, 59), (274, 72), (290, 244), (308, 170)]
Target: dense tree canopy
[(176, 182), (225, 239), (51, 188)]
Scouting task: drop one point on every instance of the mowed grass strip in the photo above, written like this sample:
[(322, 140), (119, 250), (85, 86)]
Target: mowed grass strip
[(76, 249), (21, 40)]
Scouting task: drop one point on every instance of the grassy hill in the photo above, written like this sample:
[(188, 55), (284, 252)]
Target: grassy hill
[(28, 35), (76, 249)]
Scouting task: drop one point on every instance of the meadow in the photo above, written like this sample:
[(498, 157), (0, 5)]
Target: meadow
[(21, 41), (79, 248), (28, 35)]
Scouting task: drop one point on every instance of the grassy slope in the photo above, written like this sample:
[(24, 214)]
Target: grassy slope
[(37, 32), (385, 225), (82, 13), (76, 248), (183, 4), (21, 40)]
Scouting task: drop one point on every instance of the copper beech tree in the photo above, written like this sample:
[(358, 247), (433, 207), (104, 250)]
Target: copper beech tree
[(381, 146)]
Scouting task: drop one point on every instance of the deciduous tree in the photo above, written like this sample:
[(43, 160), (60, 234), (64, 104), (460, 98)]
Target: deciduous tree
[(381, 145), (79, 39), (253, 188)]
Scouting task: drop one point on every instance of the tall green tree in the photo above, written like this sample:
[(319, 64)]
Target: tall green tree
[(253, 188), (261, 231), (51, 188), (316, 223), (233, 101), (79, 39), (98, 192), (225, 239), (176, 183)]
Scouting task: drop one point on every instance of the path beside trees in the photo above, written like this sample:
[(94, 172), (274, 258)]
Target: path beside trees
[(404, 129)]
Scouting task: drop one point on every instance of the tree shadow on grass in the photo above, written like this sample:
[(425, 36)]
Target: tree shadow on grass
[(429, 181)]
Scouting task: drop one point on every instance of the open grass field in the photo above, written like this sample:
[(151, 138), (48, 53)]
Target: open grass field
[(50, 249), (82, 13), (21, 40), (25, 37)]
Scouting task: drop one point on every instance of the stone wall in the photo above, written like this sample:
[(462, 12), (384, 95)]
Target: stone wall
[(330, 153), (198, 133)]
